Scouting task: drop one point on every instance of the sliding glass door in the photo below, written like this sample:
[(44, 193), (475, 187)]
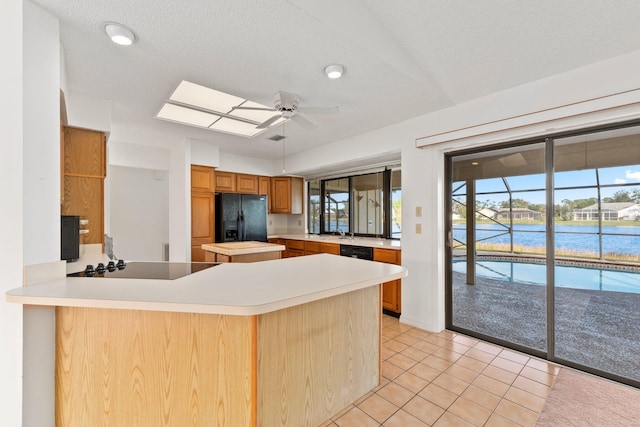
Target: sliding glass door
[(544, 248)]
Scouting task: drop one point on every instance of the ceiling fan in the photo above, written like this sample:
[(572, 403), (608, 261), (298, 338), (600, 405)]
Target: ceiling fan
[(288, 106)]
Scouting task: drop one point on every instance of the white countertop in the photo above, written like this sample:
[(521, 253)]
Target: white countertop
[(228, 288), (242, 248), (330, 238)]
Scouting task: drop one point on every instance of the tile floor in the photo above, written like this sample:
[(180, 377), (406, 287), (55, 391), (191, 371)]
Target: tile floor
[(448, 379)]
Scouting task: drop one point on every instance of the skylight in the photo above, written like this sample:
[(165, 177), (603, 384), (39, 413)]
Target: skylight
[(200, 106)]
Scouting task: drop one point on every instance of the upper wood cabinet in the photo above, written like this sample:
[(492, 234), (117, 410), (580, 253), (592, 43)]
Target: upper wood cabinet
[(83, 164), (202, 179), (287, 195), (246, 184), (225, 182), (264, 188)]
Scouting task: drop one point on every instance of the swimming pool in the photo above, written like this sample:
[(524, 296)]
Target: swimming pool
[(566, 276)]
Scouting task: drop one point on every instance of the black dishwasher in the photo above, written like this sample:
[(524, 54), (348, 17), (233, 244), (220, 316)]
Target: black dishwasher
[(361, 252)]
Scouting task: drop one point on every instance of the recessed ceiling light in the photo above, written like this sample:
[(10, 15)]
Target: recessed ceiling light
[(119, 34), (334, 71)]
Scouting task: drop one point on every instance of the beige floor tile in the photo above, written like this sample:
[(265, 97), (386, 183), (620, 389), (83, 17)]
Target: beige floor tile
[(499, 374), (516, 413), (437, 363), (378, 408), (471, 363), (507, 365), (526, 399), (463, 339), (344, 411), (451, 383), (395, 394), (533, 387), (404, 419), (539, 376), (481, 397), (415, 354), (386, 352), (423, 410), (462, 373), (541, 365), (396, 345), (426, 346), (418, 333), (515, 356), (480, 355), (356, 418), (457, 347), (496, 420), (390, 370), (488, 348), (438, 395), (450, 420), (469, 411), (436, 340), (411, 382), (426, 372), (401, 361), (491, 385), (407, 339), (445, 354), (447, 334)]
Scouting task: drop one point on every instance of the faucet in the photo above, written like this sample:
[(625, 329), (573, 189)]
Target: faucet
[(341, 233)]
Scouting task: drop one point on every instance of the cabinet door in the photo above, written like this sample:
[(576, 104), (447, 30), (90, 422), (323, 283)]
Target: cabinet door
[(202, 178), (391, 291), (280, 194), (202, 230), (247, 184), (225, 182), (264, 187), (84, 153)]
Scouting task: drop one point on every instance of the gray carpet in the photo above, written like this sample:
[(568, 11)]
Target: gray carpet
[(593, 328), (577, 399)]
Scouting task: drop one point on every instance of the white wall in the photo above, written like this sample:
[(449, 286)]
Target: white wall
[(11, 169), (88, 112), (180, 202), (41, 202), (139, 212)]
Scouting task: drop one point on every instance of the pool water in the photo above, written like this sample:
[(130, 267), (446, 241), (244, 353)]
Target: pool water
[(565, 276)]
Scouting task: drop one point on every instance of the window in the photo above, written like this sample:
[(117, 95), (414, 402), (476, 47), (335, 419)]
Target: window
[(365, 205)]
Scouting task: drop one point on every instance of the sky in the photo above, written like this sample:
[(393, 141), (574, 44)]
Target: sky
[(608, 176)]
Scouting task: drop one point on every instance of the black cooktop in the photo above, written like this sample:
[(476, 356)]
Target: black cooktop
[(143, 270)]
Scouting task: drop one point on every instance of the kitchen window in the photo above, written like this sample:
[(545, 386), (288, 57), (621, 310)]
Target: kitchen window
[(363, 205)]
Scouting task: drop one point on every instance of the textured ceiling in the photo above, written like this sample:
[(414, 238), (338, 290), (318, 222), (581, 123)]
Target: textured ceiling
[(403, 59)]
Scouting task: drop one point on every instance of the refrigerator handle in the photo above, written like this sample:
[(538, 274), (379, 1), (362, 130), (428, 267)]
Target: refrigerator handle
[(244, 232)]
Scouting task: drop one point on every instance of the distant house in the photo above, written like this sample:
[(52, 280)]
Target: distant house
[(486, 213), (518, 213), (621, 211)]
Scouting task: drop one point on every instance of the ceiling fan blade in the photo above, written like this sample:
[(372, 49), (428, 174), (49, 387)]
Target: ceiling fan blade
[(304, 122), (268, 122), (287, 98), (318, 110), (253, 108)]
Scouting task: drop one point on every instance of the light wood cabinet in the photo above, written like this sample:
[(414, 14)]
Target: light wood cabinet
[(246, 184), (202, 210), (391, 291), (287, 195), (311, 248), (83, 165), (264, 187), (225, 182), (294, 247)]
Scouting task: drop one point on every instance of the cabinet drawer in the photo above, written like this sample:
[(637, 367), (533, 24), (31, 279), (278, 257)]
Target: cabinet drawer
[(330, 248), (312, 247), (295, 244), (389, 256), (294, 252)]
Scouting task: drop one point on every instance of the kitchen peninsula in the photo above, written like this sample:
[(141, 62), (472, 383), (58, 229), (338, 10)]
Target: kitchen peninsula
[(282, 342)]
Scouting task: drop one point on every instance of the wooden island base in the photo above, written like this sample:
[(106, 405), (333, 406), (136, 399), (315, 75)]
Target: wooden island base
[(298, 366)]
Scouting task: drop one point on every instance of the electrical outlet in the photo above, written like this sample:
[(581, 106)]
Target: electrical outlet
[(299, 222), (418, 228), (418, 211), (270, 222)]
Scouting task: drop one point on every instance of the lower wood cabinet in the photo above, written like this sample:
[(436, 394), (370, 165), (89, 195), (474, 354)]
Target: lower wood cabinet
[(391, 291)]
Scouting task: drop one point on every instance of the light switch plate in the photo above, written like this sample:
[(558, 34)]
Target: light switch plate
[(418, 228), (418, 211)]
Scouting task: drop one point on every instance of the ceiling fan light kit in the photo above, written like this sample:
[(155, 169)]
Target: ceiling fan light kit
[(334, 71), (119, 34)]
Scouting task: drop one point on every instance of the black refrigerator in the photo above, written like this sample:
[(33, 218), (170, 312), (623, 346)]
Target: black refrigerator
[(240, 217)]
